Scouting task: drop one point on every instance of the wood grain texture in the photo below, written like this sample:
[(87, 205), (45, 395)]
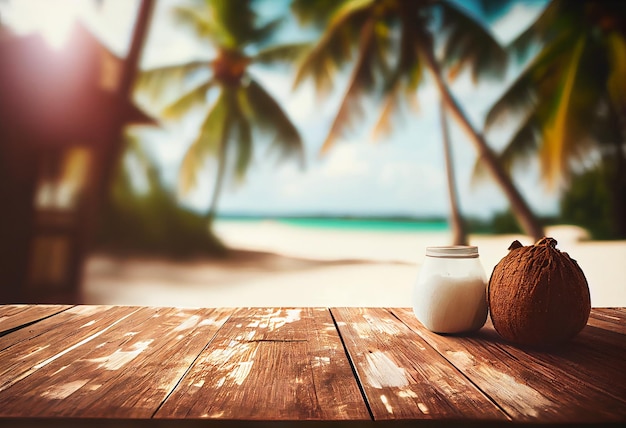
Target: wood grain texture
[(14, 316), (28, 332), (567, 384), (402, 376), (278, 364), (124, 365), (613, 319), (51, 338), (271, 364)]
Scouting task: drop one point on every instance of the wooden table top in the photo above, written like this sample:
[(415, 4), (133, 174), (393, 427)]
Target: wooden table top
[(297, 364)]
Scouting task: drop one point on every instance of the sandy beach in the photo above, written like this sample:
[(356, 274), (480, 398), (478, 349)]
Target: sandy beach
[(276, 264)]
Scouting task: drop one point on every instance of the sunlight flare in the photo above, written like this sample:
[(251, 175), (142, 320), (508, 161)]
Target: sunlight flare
[(53, 19)]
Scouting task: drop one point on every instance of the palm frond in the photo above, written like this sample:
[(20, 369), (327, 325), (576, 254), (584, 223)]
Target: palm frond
[(403, 81), (518, 98), (271, 119), (194, 98), (520, 149), (262, 34), (361, 80), (199, 19), (523, 146), (154, 83), (410, 67), (469, 44), (134, 147), (537, 80), (553, 55), (244, 148), (334, 48), (237, 135), (187, 176), (238, 21), (541, 31), (588, 94), (175, 71), (535, 83), (392, 104), (281, 54), (556, 132), (316, 12), (616, 82), (207, 143)]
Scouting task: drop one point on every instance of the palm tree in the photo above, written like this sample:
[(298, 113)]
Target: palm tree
[(459, 232), (239, 106), (395, 42), (571, 97)]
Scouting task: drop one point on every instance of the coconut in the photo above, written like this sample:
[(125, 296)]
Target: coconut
[(537, 295)]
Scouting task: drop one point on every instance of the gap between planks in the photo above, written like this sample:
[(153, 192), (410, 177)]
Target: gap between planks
[(209, 342)]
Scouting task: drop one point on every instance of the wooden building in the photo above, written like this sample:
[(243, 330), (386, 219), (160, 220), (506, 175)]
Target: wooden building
[(62, 113)]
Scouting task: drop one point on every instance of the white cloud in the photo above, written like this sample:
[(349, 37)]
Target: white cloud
[(402, 173), (394, 173), (355, 178), (347, 165), (346, 160)]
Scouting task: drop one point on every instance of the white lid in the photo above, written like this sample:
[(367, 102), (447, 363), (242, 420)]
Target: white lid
[(453, 252)]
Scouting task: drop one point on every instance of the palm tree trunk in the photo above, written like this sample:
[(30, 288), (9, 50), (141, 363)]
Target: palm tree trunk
[(140, 33), (520, 208), (459, 234), (219, 175), (112, 154), (129, 73), (219, 183)]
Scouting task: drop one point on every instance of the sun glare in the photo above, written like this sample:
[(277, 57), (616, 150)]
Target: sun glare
[(53, 19)]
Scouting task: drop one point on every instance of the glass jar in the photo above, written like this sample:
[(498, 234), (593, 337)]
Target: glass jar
[(449, 295)]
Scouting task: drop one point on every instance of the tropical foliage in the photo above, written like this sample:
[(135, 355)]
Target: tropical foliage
[(588, 203), (389, 39), (239, 108), (389, 44), (150, 220), (570, 100)]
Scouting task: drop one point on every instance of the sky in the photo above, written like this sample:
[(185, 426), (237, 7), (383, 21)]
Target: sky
[(399, 174)]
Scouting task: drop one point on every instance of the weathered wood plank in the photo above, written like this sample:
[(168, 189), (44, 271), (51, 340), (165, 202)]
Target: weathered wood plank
[(271, 364), (607, 344), (14, 316), (595, 356), (59, 323), (126, 372), (564, 385), (402, 376), (619, 312), (46, 344), (123, 362), (609, 319)]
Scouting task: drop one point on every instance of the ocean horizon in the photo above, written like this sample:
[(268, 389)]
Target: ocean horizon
[(386, 224)]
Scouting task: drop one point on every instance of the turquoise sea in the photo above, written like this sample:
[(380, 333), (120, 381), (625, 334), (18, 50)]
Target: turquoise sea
[(352, 223)]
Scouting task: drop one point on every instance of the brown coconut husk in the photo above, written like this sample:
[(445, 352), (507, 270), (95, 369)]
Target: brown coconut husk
[(538, 295)]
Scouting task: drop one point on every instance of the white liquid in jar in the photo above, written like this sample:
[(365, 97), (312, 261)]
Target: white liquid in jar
[(448, 304)]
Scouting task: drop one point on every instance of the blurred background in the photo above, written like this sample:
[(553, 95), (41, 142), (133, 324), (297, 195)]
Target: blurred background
[(303, 152)]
